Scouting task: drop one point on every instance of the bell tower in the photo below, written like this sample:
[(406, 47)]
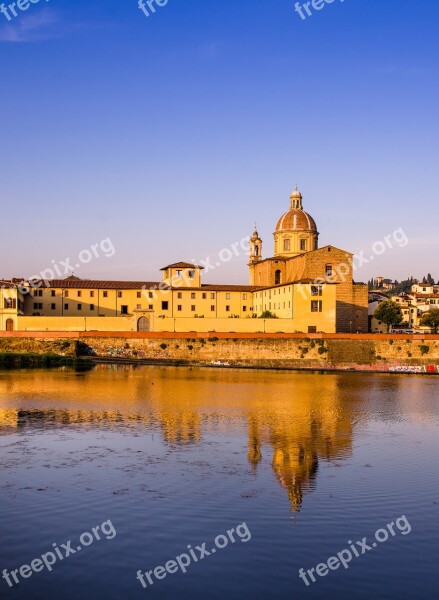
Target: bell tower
[(255, 254)]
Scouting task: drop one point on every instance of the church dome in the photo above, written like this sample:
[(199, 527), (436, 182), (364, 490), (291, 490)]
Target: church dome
[(296, 219)]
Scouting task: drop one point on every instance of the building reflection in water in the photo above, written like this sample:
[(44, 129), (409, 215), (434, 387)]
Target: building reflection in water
[(292, 420)]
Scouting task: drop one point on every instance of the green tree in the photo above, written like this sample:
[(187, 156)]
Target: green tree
[(431, 319), (268, 315), (390, 313)]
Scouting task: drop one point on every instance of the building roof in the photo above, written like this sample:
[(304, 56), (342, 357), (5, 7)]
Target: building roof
[(304, 281), (182, 265), (296, 220)]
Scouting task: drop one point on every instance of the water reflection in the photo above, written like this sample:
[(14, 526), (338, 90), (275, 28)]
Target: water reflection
[(296, 426)]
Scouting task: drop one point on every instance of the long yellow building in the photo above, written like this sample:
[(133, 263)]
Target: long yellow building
[(301, 288)]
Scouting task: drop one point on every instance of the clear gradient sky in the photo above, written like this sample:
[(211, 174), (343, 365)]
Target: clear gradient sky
[(173, 134)]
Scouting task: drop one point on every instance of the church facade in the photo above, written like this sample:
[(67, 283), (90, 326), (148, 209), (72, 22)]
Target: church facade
[(300, 289)]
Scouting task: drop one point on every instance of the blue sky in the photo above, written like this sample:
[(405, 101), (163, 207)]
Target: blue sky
[(173, 134)]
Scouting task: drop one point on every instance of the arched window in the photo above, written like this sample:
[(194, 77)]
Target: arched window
[(277, 277), (256, 250), (287, 244)]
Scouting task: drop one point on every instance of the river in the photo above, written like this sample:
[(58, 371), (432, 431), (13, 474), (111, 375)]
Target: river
[(246, 476)]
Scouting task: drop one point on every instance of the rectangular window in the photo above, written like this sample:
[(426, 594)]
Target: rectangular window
[(179, 273), (79, 306), (212, 308), (150, 307), (212, 296), (303, 244), (193, 296), (92, 294), (192, 274), (227, 308), (179, 308), (105, 294), (312, 329), (139, 294), (165, 305), (193, 308), (119, 294), (328, 270), (204, 296), (227, 296), (66, 307), (244, 296), (124, 310), (179, 295), (244, 309), (79, 294), (287, 245), (53, 293), (92, 306), (150, 295), (139, 307), (66, 293), (53, 306), (316, 306), (316, 290)]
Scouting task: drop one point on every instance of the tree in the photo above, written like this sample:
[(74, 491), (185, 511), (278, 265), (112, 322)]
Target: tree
[(390, 313), (268, 315), (431, 319)]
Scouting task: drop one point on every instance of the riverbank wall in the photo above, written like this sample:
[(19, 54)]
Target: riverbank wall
[(364, 352)]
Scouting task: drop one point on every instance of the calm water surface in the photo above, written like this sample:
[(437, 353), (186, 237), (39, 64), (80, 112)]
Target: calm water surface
[(176, 457)]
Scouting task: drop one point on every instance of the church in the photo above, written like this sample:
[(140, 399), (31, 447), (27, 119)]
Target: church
[(301, 288)]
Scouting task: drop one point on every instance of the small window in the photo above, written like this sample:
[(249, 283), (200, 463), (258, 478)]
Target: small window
[(287, 244), (191, 274), (179, 295), (150, 295), (179, 308), (212, 296), (53, 306), (312, 329), (105, 294), (244, 296), (150, 307), (193, 308), (316, 306), (79, 294), (212, 307), (92, 306), (79, 306), (92, 294), (303, 244), (165, 305), (179, 273), (66, 293), (204, 296), (139, 294), (316, 290), (53, 293), (227, 296), (227, 308), (244, 309), (139, 307), (193, 296), (124, 310), (119, 294), (328, 270), (66, 307)]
